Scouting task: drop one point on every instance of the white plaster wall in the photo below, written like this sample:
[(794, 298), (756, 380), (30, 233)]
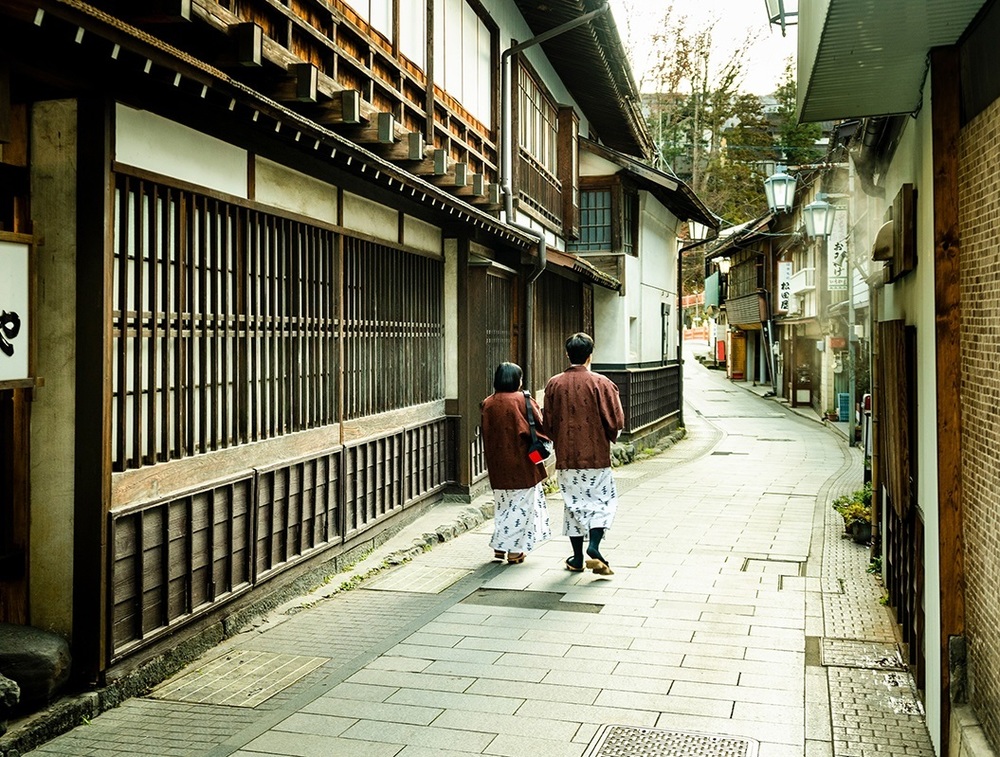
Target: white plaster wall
[(912, 299), (658, 261), (369, 217), (421, 235), (146, 140), (283, 187), (53, 198), (610, 327)]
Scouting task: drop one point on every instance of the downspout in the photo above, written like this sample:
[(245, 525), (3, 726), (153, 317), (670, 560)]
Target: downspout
[(506, 172)]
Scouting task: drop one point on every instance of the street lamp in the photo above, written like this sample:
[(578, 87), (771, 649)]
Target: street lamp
[(723, 265), (779, 188), (818, 217), (780, 13)]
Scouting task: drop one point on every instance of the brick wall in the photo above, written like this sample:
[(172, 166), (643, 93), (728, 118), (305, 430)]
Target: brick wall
[(979, 151)]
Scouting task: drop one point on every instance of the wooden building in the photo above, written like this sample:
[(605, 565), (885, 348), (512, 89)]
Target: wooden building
[(927, 92), (268, 274)]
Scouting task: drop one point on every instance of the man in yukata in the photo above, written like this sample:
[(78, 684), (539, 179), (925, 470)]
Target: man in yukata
[(583, 414)]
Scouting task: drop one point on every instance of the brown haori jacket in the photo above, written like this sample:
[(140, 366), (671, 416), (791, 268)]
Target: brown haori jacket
[(583, 414), (506, 437)]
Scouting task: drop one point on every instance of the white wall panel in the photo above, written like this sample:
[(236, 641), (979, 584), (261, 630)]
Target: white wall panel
[(369, 217), (283, 187), (146, 140)]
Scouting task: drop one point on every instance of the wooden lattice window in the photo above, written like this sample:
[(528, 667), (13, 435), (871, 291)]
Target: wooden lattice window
[(224, 325), (393, 328)]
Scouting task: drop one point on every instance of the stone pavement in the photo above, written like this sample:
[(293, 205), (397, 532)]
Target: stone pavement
[(738, 622)]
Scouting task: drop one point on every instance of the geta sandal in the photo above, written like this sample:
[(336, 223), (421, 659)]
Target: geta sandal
[(515, 558)]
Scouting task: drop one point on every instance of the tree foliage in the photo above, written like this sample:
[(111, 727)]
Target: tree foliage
[(711, 133)]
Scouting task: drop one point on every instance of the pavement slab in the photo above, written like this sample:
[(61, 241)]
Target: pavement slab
[(738, 615)]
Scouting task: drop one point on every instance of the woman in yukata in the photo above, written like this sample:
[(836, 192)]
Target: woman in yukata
[(521, 519)]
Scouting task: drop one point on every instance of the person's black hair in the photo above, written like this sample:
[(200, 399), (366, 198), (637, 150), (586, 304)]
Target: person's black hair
[(579, 347), (507, 378)]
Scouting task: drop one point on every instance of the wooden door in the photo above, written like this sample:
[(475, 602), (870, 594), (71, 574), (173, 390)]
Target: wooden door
[(14, 413)]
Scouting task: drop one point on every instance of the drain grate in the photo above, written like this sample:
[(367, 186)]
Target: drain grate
[(419, 579), (242, 678), (869, 655), (626, 741)]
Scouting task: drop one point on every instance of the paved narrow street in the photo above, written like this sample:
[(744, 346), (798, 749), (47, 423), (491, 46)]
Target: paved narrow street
[(738, 622)]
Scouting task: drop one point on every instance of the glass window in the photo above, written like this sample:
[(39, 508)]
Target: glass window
[(462, 45), (595, 221), (413, 33)]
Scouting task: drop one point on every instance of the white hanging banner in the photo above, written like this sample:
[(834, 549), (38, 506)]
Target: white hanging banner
[(836, 255), (784, 285), (14, 286)]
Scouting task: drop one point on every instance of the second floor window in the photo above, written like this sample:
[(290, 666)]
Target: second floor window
[(538, 123), (412, 41), (463, 57)]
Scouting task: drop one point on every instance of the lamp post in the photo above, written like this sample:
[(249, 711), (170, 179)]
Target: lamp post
[(818, 217)]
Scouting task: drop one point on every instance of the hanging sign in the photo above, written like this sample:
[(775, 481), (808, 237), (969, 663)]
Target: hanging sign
[(837, 262), (784, 285), (13, 311)]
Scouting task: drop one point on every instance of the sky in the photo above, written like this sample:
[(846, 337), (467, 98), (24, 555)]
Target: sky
[(637, 21)]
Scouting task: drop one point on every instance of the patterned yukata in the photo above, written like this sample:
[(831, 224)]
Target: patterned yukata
[(590, 498), (583, 415), (520, 519)]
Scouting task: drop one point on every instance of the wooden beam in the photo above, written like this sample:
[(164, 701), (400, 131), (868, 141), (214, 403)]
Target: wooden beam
[(156, 12), (6, 128), (345, 107), (92, 453), (945, 127), (409, 149), (249, 38), (300, 85)]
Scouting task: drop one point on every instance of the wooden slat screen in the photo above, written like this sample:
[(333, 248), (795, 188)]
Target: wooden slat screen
[(559, 312), (173, 558), (498, 326), (224, 324), (897, 383), (298, 511), (648, 395), (385, 474), (393, 328)]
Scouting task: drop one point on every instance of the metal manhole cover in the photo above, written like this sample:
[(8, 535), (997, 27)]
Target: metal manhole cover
[(242, 678), (418, 579), (869, 655), (631, 741)]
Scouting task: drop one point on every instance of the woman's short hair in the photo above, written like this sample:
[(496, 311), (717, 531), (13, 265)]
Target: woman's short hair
[(507, 378), (579, 347)]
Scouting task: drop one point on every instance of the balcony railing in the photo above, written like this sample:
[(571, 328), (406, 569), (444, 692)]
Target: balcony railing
[(539, 189), (803, 280)]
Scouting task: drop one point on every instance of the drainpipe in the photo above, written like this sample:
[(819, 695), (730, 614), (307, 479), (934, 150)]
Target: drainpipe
[(507, 166)]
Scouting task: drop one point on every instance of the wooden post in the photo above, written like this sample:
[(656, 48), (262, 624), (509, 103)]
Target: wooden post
[(91, 573), (946, 109)]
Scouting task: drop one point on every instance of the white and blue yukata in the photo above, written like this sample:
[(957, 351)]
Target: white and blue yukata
[(521, 519), (590, 499)]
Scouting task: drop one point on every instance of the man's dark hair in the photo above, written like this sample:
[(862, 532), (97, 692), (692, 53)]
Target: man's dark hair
[(507, 378), (579, 347)]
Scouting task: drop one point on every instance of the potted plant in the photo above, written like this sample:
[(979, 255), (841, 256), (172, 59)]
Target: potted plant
[(856, 510)]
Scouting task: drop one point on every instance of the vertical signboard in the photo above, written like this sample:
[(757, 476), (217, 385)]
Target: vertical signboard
[(784, 286), (13, 311), (836, 254)]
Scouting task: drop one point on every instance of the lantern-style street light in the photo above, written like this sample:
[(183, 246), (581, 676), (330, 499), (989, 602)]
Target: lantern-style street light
[(818, 217), (779, 188), (782, 13)]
